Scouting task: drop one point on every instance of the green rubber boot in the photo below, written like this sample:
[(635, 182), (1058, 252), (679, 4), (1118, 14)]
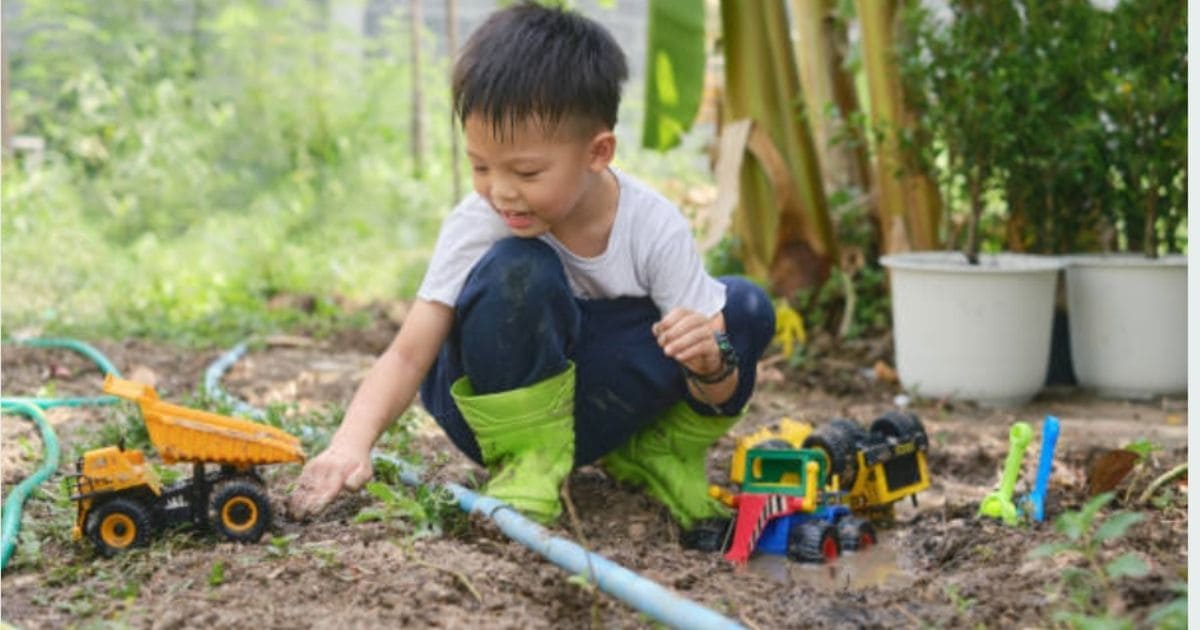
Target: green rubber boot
[(668, 458), (527, 438)]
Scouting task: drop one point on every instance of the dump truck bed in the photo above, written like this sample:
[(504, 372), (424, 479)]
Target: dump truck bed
[(181, 434)]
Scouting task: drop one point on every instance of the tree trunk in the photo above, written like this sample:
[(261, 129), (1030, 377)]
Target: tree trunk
[(452, 53), (826, 85), (908, 201), (418, 130)]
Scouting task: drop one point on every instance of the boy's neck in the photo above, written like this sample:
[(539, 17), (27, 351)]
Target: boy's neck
[(585, 232)]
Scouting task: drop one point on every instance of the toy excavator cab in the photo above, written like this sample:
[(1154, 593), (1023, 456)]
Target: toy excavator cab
[(789, 434), (793, 472)]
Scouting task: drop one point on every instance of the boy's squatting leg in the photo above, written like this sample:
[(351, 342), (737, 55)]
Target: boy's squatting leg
[(670, 456), (518, 324)]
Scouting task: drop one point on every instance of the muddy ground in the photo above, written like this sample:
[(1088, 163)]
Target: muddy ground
[(941, 566)]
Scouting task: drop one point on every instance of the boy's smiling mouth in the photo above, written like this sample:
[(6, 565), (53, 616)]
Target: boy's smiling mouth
[(516, 220)]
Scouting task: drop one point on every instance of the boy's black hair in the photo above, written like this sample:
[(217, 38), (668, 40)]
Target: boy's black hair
[(530, 61)]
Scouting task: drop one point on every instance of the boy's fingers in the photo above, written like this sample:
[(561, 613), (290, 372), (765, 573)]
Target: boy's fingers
[(668, 321), (312, 500), (686, 340)]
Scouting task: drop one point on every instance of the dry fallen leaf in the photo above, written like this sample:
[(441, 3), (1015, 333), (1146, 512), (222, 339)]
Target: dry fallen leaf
[(1107, 470), (885, 373), (768, 374)]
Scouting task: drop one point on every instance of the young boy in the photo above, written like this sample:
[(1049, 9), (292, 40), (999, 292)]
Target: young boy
[(565, 315)]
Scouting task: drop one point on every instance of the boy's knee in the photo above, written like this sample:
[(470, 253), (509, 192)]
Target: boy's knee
[(516, 268), (749, 310)]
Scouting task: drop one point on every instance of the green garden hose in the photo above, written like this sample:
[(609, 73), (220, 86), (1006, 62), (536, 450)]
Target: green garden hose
[(12, 505), (32, 408)]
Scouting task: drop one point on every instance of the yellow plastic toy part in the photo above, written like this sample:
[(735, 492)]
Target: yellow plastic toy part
[(789, 328), (790, 431), (181, 434)]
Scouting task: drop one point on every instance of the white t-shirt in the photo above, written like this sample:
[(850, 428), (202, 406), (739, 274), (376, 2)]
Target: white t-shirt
[(650, 253)]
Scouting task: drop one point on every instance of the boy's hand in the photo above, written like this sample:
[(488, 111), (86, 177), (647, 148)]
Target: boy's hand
[(325, 476), (687, 337)]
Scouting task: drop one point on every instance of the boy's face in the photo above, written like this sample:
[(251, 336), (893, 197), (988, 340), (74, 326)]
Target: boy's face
[(533, 179)]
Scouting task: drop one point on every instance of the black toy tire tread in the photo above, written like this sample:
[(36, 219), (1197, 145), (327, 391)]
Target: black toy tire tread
[(851, 530), (839, 439), (806, 541)]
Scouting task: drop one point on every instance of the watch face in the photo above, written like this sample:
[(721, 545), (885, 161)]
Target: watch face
[(728, 355)]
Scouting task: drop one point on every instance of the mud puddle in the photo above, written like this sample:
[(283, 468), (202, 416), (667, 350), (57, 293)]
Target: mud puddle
[(881, 565)]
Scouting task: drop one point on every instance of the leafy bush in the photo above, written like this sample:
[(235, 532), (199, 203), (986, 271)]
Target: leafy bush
[(1143, 99), (1032, 104)]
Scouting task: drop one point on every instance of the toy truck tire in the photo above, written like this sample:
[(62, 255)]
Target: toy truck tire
[(240, 510), (900, 425), (710, 534), (839, 440), (855, 534), (119, 525), (813, 541)]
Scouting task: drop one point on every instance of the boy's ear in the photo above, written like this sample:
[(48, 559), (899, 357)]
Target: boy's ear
[(601, 150)]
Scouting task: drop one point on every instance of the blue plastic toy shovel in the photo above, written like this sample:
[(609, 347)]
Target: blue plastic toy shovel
[(1036, 500)]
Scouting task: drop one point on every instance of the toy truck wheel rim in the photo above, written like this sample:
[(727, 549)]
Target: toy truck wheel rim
[(829, 549), (813, 541), (240, 510), (118, 525), (239, 514), (118, 530)]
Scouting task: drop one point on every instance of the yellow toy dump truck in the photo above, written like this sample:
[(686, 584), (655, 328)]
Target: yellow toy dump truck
[(869, 470), (122, 502)]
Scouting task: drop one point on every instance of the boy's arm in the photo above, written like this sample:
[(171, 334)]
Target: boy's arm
[(388, 389)]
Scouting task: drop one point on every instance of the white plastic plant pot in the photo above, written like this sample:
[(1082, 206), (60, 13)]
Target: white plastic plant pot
[(973, 332), (1128, 321)]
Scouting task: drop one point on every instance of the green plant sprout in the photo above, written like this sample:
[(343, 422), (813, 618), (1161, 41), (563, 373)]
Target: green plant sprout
[(216, 575), (427, 512), (281, 546), (1089, 588)]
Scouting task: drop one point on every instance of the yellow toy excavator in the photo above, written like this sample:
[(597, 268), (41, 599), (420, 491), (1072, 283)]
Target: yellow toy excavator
[(122, 502), (869, 470)]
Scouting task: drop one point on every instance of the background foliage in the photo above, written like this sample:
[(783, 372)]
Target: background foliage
[(204, 157)]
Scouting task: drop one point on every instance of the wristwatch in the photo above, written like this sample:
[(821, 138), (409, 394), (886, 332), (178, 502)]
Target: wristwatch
[(729, 362)]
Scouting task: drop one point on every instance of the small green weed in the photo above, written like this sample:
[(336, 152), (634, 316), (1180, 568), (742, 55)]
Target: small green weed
[(281, 546), (1174, 614), (1090, 588), (123, 425), (426, 511), (216, 575), (962, 604)]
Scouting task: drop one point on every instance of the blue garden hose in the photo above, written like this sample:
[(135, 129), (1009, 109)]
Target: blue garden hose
[(642, 594), (32, 409)]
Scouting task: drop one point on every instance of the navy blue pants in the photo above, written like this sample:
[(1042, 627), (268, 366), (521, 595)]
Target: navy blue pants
[(518, 323)]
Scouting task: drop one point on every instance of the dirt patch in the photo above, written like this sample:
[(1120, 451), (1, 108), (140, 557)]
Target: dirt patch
[(940, 566)]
